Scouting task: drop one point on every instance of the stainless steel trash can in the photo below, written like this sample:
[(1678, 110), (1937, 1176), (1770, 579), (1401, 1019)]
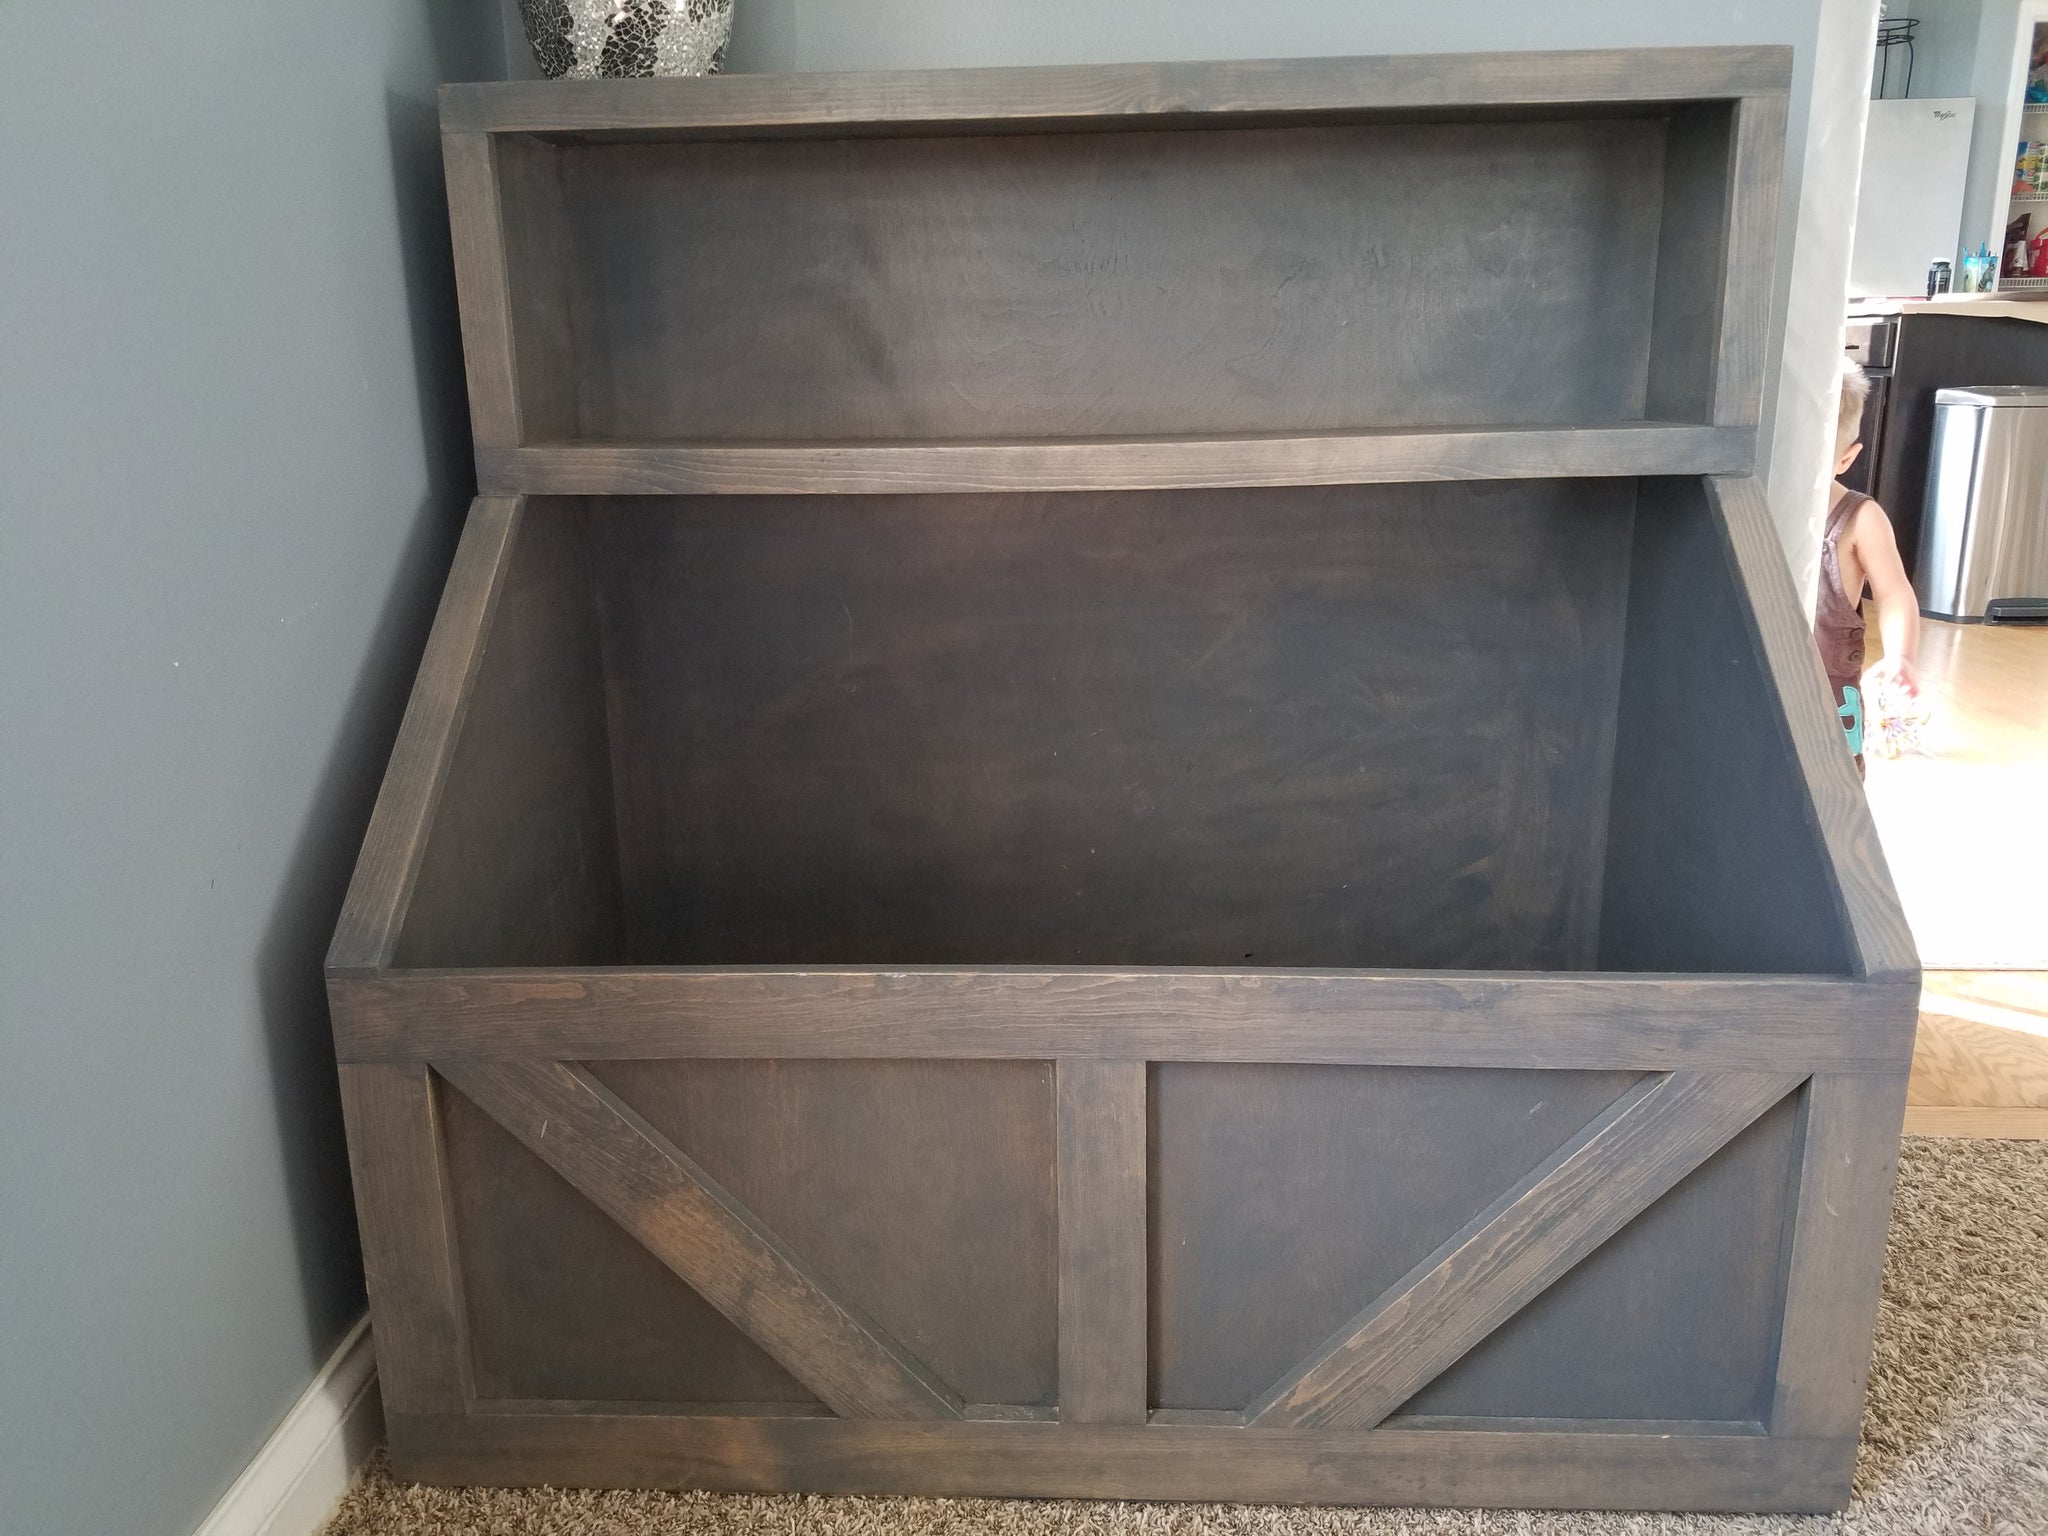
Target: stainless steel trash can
[(1984, 536)]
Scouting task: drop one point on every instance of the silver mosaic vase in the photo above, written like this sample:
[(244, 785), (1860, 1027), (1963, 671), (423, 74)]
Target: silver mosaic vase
[(584, 39)]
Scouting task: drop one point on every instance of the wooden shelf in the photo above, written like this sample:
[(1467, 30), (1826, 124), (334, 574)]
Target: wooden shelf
[(1090, 95), (1475, 453)]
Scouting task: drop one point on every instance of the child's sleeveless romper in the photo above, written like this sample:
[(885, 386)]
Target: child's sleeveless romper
[(1838, 626)]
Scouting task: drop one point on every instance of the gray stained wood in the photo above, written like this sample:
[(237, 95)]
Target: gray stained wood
[(1088, 95), (409, 1258), (367, 934), (1359, 726), (1644, 1143), (922, 1193), (1283, 1198), (862, 288), (522, 863), (1715, 857), (562, 1304), (1692, 254), (1849, 1153), (1589, 1022), (1673, 1301), (1742, 356), (1882, 945), (1102, 1177), (482, 286), (687, 1220), (539, 318), (720, 272), (1485, 1468), (1276, 459), (844, 1091)]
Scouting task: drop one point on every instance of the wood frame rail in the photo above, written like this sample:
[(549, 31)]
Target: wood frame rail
[(1330, 458), (1034, 97)]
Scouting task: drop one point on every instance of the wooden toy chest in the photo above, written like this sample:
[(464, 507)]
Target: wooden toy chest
[(1119, 794)]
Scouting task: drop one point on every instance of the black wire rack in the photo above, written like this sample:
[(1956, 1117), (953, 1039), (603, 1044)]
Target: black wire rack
[(1894, 33)]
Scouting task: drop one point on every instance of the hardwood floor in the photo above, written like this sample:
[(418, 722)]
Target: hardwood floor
[(1964, 820), (1980, 1066), (1964, 823)]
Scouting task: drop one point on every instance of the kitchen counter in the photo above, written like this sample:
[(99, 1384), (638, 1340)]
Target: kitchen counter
[(1986, 306), (1913, 347)]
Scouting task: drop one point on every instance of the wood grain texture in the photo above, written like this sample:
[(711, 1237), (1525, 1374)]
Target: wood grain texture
[(687, 1220), (1672, 1318), (366, 935), (1045, 96), (1586, 1192), (1573, 1470), (1648, 1023), (1784, 638), (1048, 286), (923, 1193), (540, 300), (402, 1209), (520, 863), (1121, 728), (1997, 1124), (1971, 1055), (2010, 999), (1284, 1197), (563, 1304), (1190, 462), (1737, 834), (1692, 257), (1102, 1241), (482, 285), (1742, 357), (1848, 1157)]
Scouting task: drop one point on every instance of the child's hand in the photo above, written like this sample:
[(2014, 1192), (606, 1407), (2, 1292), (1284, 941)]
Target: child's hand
[(1893, 675), (1895, 717)]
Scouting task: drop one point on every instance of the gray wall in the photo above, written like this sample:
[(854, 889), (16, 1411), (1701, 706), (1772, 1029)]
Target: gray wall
[(1944, 48), (233, 453)]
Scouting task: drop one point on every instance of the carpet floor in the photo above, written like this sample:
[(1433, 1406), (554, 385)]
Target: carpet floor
[(1955, 1441)]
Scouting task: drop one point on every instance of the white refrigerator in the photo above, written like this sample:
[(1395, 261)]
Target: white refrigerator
[(1909, 212)]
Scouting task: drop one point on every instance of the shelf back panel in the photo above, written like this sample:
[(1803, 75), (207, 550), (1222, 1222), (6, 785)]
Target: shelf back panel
[(1316, 726), (1364, 275)]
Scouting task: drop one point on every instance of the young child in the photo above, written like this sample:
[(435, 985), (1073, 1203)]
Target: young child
[(1858, 547)]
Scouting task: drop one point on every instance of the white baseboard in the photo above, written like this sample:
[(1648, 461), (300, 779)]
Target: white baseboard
[(307, 1465)]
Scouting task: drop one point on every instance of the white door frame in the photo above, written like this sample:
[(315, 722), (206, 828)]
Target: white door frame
[(2033, 13)]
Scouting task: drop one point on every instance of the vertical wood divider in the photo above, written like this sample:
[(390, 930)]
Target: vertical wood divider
[(1756, 170), (483, 286), (1102, 1244), (1849, 1149), (394, 1138)]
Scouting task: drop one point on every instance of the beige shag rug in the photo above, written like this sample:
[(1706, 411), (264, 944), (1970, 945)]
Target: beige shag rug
[(1955, 1442)]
